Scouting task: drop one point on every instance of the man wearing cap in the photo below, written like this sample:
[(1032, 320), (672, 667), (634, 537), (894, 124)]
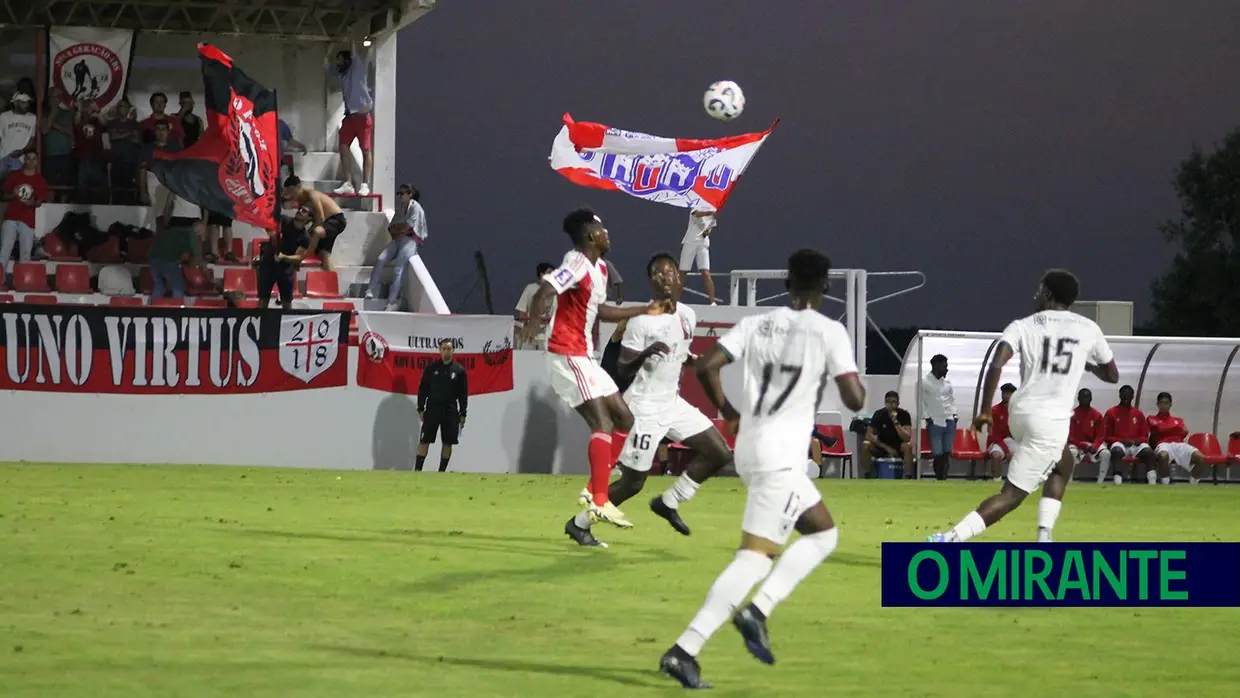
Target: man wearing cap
[(17, 134)]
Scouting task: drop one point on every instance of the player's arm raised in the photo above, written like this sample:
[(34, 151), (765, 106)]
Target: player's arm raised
[(994, 372), (612, 313)]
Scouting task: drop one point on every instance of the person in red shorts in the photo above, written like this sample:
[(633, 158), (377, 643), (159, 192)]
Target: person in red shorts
[(1127, 434), (1000, 443), (351, 69), (1167, 433), (25, 190), (1085, 437)]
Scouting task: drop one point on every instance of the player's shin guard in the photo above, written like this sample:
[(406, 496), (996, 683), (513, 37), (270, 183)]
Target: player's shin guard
[(599, 454), (729, 590), (795, 564)]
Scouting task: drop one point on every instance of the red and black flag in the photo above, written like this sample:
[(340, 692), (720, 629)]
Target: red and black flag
[(234, 167)]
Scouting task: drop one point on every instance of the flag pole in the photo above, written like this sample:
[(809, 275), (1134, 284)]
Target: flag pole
[(275, 212)]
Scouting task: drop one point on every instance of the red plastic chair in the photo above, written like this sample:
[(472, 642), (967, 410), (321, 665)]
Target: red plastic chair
[(168, 302), (39, 299), (1211, 451), (30, 277), (243, 280), (60, 251), (108, 252), (248, 303), (146, 282), (197, 283), (125, 302), (965, 447), (6, 298), (322, 284), (1233, 447), (210, 303), (238, 251), (72, 278), (926, 451), (836, 450)]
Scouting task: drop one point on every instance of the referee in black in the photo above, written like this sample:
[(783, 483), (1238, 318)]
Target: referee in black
[(443, 396)]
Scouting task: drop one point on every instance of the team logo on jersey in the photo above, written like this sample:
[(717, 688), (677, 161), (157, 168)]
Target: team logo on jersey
[(88, 71), (563, 277), (375, 346), (309, 344)]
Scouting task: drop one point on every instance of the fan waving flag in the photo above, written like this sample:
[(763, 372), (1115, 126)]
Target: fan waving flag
[(233, 168), (677, 171)]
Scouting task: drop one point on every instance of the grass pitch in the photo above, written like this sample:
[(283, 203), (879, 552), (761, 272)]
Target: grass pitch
[(204, 581)]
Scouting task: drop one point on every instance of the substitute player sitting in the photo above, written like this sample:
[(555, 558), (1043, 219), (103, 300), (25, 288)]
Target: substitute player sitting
[(1085, 437), (1167, 433), (1127, 434), (654, 350), (999, 441)]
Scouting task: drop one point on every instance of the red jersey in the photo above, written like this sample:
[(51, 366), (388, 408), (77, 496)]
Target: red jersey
[(1123, 424), (999, 424), (25, 192), (1086, 430), (176, 134), (582, 287), (88, 140), (1166, 428)]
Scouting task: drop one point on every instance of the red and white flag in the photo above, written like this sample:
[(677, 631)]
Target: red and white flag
[(396, 347), (89, 62)]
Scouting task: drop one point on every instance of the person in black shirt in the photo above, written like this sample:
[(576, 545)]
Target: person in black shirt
[(280, 257), (191, 125), (611, 358), (443, 396), (890, 435)]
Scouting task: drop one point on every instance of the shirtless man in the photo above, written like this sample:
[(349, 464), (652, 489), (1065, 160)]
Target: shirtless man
[(329, 220)]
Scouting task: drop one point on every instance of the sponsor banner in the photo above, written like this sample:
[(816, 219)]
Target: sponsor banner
[(161, 351), (396, 347), (89, 62)]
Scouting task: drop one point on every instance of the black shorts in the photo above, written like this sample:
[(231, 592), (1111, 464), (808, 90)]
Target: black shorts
[(446, 422), (333, 226), (216, 219), (279, 274)]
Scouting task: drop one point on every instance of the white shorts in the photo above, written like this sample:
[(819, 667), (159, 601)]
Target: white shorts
[(1097, 456), (695, 251), (1133, 451), (775, 502), (678, 422), (1180, 453), (1039, 446), (578, 379), (1004, 448)]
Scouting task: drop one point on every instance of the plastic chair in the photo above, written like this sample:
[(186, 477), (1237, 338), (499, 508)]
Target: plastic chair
[(243, 280), (965, 447), (322, 284), (30, 277), (835, 450), (1211, 451), (72, 278), (125, 302), (40, 299)]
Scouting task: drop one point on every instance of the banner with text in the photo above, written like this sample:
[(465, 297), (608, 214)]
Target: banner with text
[(90, 63), (395, 347), (161, 351)]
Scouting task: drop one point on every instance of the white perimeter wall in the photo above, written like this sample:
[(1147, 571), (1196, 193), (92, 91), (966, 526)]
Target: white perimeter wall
[(527, 430)]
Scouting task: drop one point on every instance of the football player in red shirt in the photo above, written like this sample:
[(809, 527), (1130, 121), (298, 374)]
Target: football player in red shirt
[(1167, 433), (999, 442), (1127, 434), (1085, 436)]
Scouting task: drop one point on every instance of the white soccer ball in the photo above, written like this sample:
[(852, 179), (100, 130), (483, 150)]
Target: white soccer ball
[(724, 100)]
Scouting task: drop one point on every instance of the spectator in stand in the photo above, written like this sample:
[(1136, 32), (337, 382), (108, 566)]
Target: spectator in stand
[(408, 230), (522, 314), (58, 133), (191, 125), (351, 68), (159, 102), (280, 258), (1085, 435), (287, 142), (25, 190), (1127, 434), (695, 248), (90, 147), (17, 133), (1167, 433), (889, 435), (329, 220), (999, 442), (125, 141), (219, 228), (615, 284), (162, 141), (178, 230), (938, 408)]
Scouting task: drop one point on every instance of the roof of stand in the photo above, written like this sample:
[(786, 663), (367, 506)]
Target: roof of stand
[(308, 20)]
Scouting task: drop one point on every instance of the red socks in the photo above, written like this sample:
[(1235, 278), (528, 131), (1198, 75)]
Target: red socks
[(618, 439), (601, 460)]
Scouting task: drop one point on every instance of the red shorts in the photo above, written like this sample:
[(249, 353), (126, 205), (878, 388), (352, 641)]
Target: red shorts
[(357, 127)]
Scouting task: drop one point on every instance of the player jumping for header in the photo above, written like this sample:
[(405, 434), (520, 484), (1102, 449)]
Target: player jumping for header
[(656, 348), (1056, 348), (788, 356), (581, 286)]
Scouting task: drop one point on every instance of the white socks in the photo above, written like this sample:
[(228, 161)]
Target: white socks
[(1118, 480), (1048, 512), (794, 565), (1150, 476), (682, 491), (729, 590), (970, 526), (582, 519), (1163, 481)]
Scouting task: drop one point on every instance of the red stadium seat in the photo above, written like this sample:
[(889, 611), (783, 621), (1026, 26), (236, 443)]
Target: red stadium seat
[(168, 302), (140, 249), (248, 303), (30, 276), (836, 450), (60, 251), (243, 280), (107, 252), (322, 284), (965, 447), (210, 302), (1233, 447), (6, 298), (39, 299), (197, 283), (73, 278), (1208, 445), (125, 302), (237, 250)]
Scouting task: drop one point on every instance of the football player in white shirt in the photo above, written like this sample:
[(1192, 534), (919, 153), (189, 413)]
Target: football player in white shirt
[(654, 350), (580, 287), (788, 356), (1056, 348)]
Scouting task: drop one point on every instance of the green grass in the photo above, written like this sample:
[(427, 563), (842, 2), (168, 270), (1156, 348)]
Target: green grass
[(204, 581)]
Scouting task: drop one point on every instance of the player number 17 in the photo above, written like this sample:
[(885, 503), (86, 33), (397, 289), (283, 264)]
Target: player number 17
[(788, 373)]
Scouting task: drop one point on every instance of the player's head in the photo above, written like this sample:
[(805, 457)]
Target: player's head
[(541, 270), (1006, 391), (891, 400), (1125, 395), (1057, 291), (1164, 403), (445, 350), (808, 272), (1084, 398), (938, 365), (586, 230), (664, 272)]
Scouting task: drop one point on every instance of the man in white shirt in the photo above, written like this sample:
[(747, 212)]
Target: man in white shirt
[(522, 314), (695, 248), (408, 231), (938, 408), (17, 134)]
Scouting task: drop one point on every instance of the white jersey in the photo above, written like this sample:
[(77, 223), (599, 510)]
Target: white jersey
[(657, 383), (788, 356), (1054, 346)]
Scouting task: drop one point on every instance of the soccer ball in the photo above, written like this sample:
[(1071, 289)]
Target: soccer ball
[(724, 100)]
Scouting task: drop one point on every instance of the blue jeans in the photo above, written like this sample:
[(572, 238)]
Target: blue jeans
[(399, 251), (942, 437), (168, 273), (8, 164)]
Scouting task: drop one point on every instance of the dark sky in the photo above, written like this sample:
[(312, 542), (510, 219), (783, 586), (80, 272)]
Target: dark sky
[(980, 142)]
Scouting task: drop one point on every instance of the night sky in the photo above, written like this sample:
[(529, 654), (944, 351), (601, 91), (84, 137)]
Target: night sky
[(979, 142)]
